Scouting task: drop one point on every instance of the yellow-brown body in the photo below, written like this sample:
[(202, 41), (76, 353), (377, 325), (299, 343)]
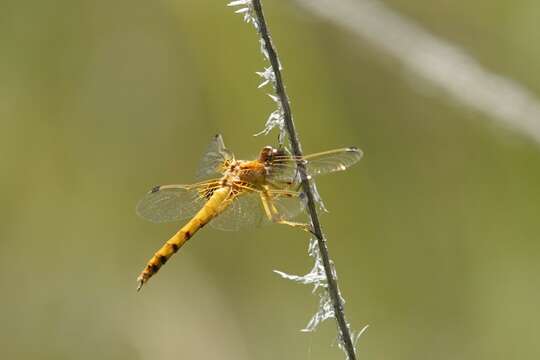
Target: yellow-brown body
[(217, 202), (237, 173), (268, 176)]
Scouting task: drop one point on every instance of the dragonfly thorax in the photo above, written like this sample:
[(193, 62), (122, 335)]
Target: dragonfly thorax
[(230, 173)]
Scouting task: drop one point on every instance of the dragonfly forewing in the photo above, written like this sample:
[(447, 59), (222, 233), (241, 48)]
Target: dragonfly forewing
[(284, 168)]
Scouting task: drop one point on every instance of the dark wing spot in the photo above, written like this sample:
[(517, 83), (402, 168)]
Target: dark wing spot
[(188, 235), (155, 189), (162, 259), (352, 148), (174, 247)]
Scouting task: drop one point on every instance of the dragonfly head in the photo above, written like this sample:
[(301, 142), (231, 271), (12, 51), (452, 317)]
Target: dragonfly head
[(266, 154), (271, 155)]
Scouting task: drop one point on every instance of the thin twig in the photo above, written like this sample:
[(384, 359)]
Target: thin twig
[(306, 186)]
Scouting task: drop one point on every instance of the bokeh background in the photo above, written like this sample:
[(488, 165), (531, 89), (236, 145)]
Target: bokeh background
[(434, 233)]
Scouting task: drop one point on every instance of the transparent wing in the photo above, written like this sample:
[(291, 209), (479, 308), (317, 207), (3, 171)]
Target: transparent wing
[(214, 160), (174, 202), (244, 212), (284, 167), (333, 160), (288, 204)]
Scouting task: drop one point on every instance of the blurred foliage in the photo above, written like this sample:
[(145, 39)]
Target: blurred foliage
[(434, 233)]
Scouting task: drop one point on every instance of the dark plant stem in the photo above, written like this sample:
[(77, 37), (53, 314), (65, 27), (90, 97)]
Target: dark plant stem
[(306, 186)]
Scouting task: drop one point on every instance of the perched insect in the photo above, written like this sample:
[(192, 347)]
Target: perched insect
[(236, 194)]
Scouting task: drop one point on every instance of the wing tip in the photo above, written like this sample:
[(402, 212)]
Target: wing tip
[(155, 189), (355, 150)]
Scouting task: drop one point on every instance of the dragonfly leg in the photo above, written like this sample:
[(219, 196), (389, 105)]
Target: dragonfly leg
[(273, 214), (303, 226)]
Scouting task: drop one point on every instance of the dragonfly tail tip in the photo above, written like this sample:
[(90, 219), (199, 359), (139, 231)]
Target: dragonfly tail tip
[(140, 283)]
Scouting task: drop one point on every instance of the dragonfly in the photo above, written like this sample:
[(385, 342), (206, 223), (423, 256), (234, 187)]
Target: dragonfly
[(236, 194)]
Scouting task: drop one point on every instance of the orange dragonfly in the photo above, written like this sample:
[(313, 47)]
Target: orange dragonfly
[(236, 194)]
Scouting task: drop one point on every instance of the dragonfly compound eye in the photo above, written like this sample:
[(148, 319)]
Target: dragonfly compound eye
[(266, 154)]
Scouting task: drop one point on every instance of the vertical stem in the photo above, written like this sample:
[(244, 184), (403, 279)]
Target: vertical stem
[(306, 186)]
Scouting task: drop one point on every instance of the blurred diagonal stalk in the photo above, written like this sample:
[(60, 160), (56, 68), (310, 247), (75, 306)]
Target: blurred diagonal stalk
[(436, 60), (345, 335)]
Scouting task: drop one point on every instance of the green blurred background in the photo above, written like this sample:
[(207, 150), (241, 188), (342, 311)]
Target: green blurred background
[(434, 233)]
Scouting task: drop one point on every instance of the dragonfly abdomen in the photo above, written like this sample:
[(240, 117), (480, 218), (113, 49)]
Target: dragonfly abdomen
[(211, 209)]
